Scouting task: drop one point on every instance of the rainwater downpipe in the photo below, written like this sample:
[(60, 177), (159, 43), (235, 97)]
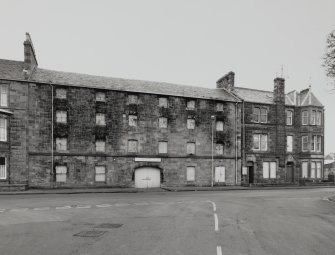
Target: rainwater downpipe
[(52, 133), (236, 143)]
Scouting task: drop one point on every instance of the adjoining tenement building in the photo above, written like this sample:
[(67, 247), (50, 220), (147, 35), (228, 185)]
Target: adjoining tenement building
[(66, 129)]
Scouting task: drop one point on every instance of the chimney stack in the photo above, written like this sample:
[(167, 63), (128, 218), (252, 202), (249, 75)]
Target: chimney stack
[(226, 81), (29, 54), (279, 91)]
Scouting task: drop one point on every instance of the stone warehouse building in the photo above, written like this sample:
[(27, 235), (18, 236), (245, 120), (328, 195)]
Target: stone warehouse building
[(65, 129)]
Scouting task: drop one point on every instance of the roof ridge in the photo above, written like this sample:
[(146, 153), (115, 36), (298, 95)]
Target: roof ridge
[(254, 89), (10, 60)]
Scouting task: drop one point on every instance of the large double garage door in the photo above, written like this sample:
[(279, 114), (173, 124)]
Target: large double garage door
[(147, 177)]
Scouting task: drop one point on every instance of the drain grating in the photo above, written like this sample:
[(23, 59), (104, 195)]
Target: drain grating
[(90, 233), (109, 225)]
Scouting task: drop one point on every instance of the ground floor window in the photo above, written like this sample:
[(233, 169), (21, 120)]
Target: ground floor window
[(190, 174), (269, 170), (61, 173), (100, 173), (220, 174), (3, 168), (304, 169)]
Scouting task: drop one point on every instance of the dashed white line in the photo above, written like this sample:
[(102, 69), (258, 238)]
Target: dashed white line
[(124, 204), (19, 210), (216, 222), (41, 208), (218, 250), (63, 207), (84, 206), (104, 205)]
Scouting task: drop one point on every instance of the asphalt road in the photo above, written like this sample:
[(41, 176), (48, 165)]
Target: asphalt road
[(167, 223)]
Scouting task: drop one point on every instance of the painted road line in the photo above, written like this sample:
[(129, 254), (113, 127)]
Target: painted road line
[(41, 208), (141, 203), (83, 206), (218, 250), (216, 222), (63, 207), (213, 204), (104, 205), (122, 204), (19, 210)]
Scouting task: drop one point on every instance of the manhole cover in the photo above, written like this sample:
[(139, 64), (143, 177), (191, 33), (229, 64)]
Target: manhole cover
[(108, 225), (90, 233)]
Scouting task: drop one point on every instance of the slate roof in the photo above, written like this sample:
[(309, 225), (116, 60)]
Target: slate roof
[(13, 70)]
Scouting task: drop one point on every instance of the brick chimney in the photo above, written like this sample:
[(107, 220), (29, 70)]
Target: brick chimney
[(226, 81), (29, 54)]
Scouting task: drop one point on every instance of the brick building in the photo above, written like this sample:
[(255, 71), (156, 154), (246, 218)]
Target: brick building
[(66, 129)]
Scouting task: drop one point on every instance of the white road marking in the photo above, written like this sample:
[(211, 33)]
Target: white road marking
[(84, 206), (19, 210), (124, 204), (41, 208), (181, 202), (216, 222), (63, 207), (218, 250), (213, 204), (104, 205)]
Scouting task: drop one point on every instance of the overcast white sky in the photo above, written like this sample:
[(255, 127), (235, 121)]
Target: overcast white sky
[(192, 42)]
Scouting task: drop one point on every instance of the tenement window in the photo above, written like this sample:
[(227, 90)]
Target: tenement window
[(304, 169), (100, 119), (61, 116), (162, 121), (219, 125), (133, 120), (289, 117), (162, 147), (220, 174), (100, 97), (289, 143), (318, 169), (190, 148), (219, 107), (190, 174), (304, 141), (100, 145), (132, 99), (3, 129), (163, 102), (313, 117), (260, 142), (219, 149), (269, 170), (61, 173), (61, 93), (61, 144), (3, 95), (3, 168), (304, 117), (313, 169), (316, 143), (132, 146), (100, 174), (318, 118), (190, 105), (190, 123)]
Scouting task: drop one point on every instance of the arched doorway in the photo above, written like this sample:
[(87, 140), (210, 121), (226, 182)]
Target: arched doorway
[(147, 177)]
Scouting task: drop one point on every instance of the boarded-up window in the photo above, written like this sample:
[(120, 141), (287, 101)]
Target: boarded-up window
[(100, 119), (220, 174), (100, 145), (313, 118), (318, 118), (269, 170), (219, 107), (132, 146), (256, 114), (313, 169), (132, 99), (304, 117), (3, 95), (190, 174), (3, 168), (318, 169), (304, 169), (61, 93), (3, 129), (289, 143), (100, 174), (61, 116), (219, 125), (162, 147), (219, 149), (162, 121), (289, 117), (190, 105), (264, 115), (190, 148), (304, 141), (190, 123), (61, 144), (100, 97), (61, 173), (163, 102), (133, 120)]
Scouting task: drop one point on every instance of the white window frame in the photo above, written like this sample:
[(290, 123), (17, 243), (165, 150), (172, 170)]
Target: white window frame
[(304, 169), (220, 174), (162, 122), (318, 118), (132, 120), (3, 129), (263, 114), (61, 93), (3, 170), (100, 145), (190, 123), (132, 99), (190, 148), (261, 146), (318, 170), (313, 170), (319, 143), (289, 143), (4, 95), (219, 125), (269, 169), (162, 147), (61, 144), (304, 118), (100, 119), (289, 117), (100, 174), (256, 114), (100, 97), (313, 118), (61, 172), (190, 105), (163, 102), (190, 173), (133, 144), (219, 107), (304, 141), (219, 148), (61, 116)]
